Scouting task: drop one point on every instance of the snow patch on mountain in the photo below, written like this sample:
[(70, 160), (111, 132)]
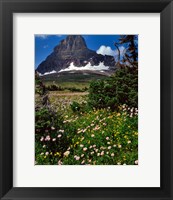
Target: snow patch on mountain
[(101, 66)]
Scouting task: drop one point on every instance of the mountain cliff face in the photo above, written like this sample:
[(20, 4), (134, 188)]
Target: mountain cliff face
[(73, 49)]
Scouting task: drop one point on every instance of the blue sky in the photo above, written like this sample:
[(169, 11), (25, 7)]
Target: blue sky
[(44, 44)]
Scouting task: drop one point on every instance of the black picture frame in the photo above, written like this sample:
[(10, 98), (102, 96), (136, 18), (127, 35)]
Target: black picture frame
[(7, 8)]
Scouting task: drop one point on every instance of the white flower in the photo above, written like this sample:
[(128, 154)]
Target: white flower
[(41, 139), (92, 135), (98, 154), (83, 162), (118, 163), (47, 153), (52, 128), (102, 153), (94, 145), (129, 142), (59, 135), (107, 138), (59, 162), (119, 146), (91, 147), (112, 154), (92, 152), (66, 153), (108, 142), (42, 154), (81, 145), (82, 155), (54, 139), (109, 147), (136, 162), (114, 145), (84, 149)]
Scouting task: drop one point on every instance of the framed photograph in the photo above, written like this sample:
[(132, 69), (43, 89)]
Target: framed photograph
[(86, 99)]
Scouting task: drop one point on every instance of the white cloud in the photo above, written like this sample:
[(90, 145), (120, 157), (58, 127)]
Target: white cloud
[(106, 51), (103, 50), (101, 66), (42, 36)]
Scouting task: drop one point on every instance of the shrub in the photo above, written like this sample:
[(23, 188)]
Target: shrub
[(119, 89)]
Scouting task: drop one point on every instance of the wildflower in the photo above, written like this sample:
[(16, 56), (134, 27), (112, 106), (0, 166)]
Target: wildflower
[(107, 138), (129, 142), (112, 154), (109, 147), (91, 147), (59, 135), (89, 160), (107, 152), (119, 146), (61, 131), (83, 162), (41, 139), (98, 154), (59, 162), (108, 142), (92, 135), (136, 162), (52, 128), (42, 154), (114, 145), (84, 149), (54, 139), (96, 150), (82, 155), (102, 153), (77, 158), (44, 146), (118, 163), (104, 124), (92, 152), (94, 145), (47, 138), (66, 153), (81, 145), (47, 153), (92, 124)]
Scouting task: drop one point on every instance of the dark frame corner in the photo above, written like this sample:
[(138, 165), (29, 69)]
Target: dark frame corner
[(7, 8)]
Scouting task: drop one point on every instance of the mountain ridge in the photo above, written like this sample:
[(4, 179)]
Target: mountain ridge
[(73, 49)]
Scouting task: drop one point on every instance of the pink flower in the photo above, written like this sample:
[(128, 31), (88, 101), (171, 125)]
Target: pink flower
[(47, 138), (107, 138), (47, 153)]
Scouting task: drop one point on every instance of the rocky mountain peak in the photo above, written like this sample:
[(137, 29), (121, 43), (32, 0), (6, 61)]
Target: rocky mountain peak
[(73, 49), (71, 43)]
